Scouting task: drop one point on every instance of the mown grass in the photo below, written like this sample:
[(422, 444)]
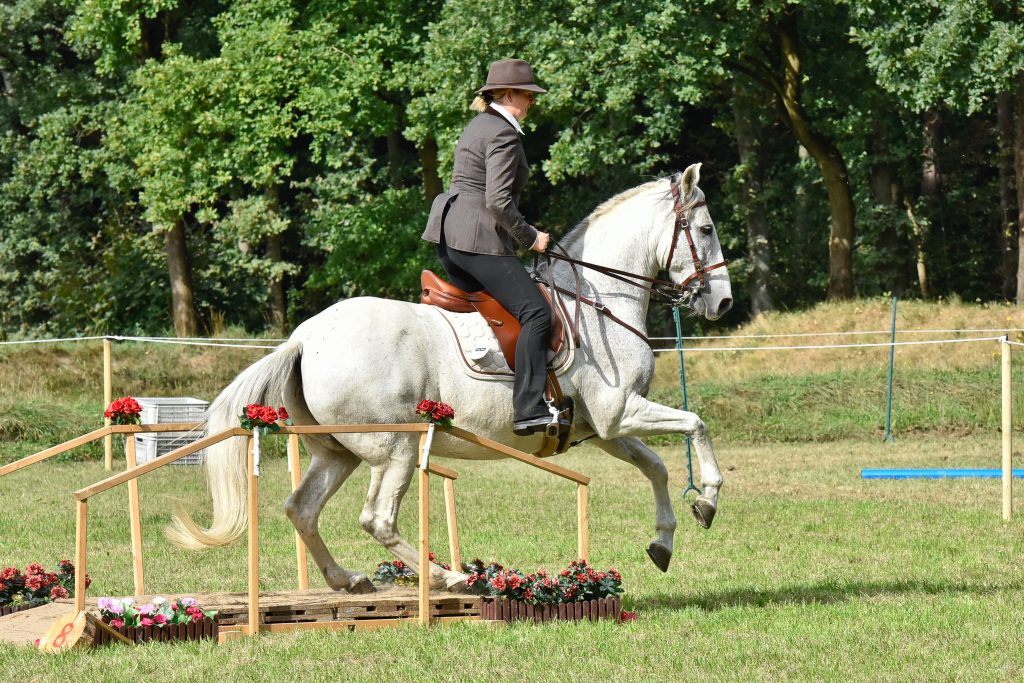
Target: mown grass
[(809, 573)]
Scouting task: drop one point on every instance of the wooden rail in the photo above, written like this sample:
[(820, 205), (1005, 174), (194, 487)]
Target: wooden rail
[(131, 476)]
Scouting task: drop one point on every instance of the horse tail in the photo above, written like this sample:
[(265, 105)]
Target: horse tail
[(226, 461)]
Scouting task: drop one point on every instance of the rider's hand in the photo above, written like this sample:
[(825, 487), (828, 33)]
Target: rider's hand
[(541, 243)]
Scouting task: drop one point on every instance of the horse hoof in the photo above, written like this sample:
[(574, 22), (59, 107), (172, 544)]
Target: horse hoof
[(660, 555), (703, 512), (361, 584)]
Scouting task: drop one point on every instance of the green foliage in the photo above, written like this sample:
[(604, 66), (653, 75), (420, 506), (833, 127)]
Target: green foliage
[(955, 54), (291, 139)]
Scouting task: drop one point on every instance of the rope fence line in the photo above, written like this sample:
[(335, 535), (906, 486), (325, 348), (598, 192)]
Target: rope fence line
[(1011, 343), (186, 342), (845, 334), (834, 346)]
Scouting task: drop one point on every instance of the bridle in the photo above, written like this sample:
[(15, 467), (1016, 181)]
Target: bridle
[(670, 293)]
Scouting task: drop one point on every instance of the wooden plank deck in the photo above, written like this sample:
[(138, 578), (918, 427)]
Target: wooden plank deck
[(279, 607)]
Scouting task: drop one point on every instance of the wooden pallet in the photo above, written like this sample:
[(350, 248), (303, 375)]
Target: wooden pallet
[(279, 611)]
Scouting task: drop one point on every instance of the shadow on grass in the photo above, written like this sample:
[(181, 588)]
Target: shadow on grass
[(824, 593)]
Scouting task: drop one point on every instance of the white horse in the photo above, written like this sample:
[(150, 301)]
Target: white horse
[(368, 360)]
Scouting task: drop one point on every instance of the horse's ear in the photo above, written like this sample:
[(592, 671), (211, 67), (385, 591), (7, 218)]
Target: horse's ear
[(691, 176)]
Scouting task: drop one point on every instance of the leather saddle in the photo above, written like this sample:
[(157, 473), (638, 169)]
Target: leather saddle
[(436, 292)]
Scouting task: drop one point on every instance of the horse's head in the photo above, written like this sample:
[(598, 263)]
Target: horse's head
[(695, 261)]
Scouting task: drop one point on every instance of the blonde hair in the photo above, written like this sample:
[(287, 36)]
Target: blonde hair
[(481, 101)]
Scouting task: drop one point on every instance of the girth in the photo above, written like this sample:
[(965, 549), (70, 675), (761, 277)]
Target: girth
[(436, 292)]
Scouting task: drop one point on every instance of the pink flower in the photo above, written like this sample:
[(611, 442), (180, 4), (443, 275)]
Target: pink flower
[(498, 582), (159, 619), (58, 592), (117, 623), (145, 621), (34, 569)]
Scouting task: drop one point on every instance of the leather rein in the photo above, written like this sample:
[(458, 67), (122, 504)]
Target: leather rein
[(672, 293)]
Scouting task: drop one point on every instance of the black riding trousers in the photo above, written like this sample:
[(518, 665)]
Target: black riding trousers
[(505, 278)]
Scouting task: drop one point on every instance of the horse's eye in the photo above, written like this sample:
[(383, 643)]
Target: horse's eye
[(707, 229)]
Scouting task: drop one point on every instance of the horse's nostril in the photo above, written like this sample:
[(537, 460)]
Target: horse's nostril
[(725, 305)]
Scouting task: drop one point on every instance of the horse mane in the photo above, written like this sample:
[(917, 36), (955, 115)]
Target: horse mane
[(607, 207)]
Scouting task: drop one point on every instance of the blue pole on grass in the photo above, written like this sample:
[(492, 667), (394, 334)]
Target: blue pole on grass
[(892, 357)]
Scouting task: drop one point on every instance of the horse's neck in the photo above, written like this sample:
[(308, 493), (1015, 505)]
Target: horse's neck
[(625, 238)]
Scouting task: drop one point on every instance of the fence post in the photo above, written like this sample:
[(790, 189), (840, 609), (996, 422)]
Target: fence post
[(108, 384), (135, 521), (254, 541), (892, 358), (295, 469), (424, 546), (1007, 431)]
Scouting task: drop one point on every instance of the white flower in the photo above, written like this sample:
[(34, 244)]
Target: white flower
[(159, 600)]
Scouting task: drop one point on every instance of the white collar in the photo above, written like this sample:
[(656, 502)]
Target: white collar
[(508, 117)]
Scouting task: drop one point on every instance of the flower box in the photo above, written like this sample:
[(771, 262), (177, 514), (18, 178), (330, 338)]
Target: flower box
[(501, 609), (207, 628), (11, 609)]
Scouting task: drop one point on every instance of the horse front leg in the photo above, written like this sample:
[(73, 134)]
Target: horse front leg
[(646, 418), (635, 452)]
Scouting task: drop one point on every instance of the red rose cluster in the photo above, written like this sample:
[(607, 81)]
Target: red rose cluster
[(438, 413), (124, 411), (577, 582), (264, 418), (36, 586)]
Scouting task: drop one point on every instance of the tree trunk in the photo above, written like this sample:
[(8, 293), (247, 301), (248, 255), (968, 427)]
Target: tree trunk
[(278, 307), (829, 160), (1018, 155), (1007, 228), (885, 192), (428, 162), (183, 308), (748, 143)]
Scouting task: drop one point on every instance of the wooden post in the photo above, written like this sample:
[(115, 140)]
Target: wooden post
[(81, 533), (254, 560), (582, 519), (1007, 433), (134, 516), (108, 396), (453, 527), (295, 467), (424, 560)]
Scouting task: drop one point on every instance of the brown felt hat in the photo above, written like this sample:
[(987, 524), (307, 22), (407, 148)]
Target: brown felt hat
[(510, 73)]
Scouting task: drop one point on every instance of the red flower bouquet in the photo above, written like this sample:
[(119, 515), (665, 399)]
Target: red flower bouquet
[(264, 418), (577, 583), (124, 411), (435, 412), (36, 586)]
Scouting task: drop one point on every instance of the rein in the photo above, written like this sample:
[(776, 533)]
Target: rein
[(674, 294)]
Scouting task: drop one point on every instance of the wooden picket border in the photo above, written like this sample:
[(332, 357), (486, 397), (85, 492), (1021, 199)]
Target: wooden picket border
[(254, 627)]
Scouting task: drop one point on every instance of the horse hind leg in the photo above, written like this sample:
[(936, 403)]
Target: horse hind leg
[(331, 465), (379, 518), (633, 451)]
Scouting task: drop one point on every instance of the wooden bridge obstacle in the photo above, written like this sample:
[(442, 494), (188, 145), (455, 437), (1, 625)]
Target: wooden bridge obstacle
[(429, 608)]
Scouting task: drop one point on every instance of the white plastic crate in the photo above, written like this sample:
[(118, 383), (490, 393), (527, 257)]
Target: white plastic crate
[(172, 410), (152, 446)]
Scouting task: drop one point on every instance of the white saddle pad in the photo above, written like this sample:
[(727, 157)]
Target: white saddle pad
[(482, 358)]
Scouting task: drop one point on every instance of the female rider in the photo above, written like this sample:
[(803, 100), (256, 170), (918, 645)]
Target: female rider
[(477, 223)]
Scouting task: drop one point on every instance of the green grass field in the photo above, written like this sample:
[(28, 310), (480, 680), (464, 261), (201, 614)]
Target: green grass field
[(809, 573)]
